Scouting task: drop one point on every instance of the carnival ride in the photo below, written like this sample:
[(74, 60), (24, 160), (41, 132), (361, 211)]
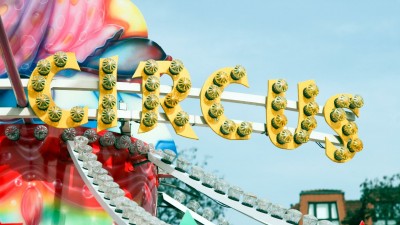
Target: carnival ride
[(45, 161)]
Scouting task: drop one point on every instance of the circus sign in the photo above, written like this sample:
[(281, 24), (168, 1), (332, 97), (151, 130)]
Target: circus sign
[(81, 86), (212, 109), (119, 59)]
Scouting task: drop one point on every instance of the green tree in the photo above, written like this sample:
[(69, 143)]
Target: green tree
[(381, 197), (170, 214), (380, 200)]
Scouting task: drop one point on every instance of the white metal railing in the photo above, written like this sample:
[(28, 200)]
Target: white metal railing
[(183, 209), (195, 120), (124, 87), (89, 183), (184, 177)]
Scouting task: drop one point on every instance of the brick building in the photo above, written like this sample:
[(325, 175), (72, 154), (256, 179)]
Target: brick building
[(324, 204), (328, 204)]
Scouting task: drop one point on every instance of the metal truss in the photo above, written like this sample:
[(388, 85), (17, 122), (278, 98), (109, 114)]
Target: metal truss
[(134, 116), (183, 209), (184, 177)]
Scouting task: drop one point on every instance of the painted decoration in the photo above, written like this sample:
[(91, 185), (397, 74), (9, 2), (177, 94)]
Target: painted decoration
[(92, 30)]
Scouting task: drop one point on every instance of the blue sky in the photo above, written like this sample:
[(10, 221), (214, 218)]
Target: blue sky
[(346, 47)]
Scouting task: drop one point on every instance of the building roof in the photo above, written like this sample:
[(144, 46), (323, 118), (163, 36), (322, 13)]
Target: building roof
[(321, 192), (353, 205), (295, 206)]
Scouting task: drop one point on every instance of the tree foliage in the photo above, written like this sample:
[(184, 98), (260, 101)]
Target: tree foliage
[(172, 215), (380, 199)]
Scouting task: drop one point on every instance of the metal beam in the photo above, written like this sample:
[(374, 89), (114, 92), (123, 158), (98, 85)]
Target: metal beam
[(134, 116), (184, 177), (13, 75), (183, 209), (124, 87)]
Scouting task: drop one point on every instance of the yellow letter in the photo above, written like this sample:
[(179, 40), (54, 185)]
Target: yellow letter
[(107, 110), (276, 119), (212, 109), (336, 118), (150, 72), (39, 94)]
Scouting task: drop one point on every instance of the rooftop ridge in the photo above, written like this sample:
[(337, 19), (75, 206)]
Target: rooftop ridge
[(321, 192)]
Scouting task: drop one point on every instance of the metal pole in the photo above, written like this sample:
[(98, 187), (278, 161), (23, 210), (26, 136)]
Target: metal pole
[(12, 70)]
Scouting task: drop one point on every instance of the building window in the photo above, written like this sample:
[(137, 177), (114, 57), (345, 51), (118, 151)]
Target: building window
[(324, 211), (386, 213), (385, 222)]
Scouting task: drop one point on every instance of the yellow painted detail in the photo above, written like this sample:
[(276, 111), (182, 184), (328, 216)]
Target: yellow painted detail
[(3, 9), (125, 13)]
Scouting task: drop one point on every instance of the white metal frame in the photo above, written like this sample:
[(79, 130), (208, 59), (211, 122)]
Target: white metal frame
[(133, 115), (183, 209), (124, 87), (184, 177)]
